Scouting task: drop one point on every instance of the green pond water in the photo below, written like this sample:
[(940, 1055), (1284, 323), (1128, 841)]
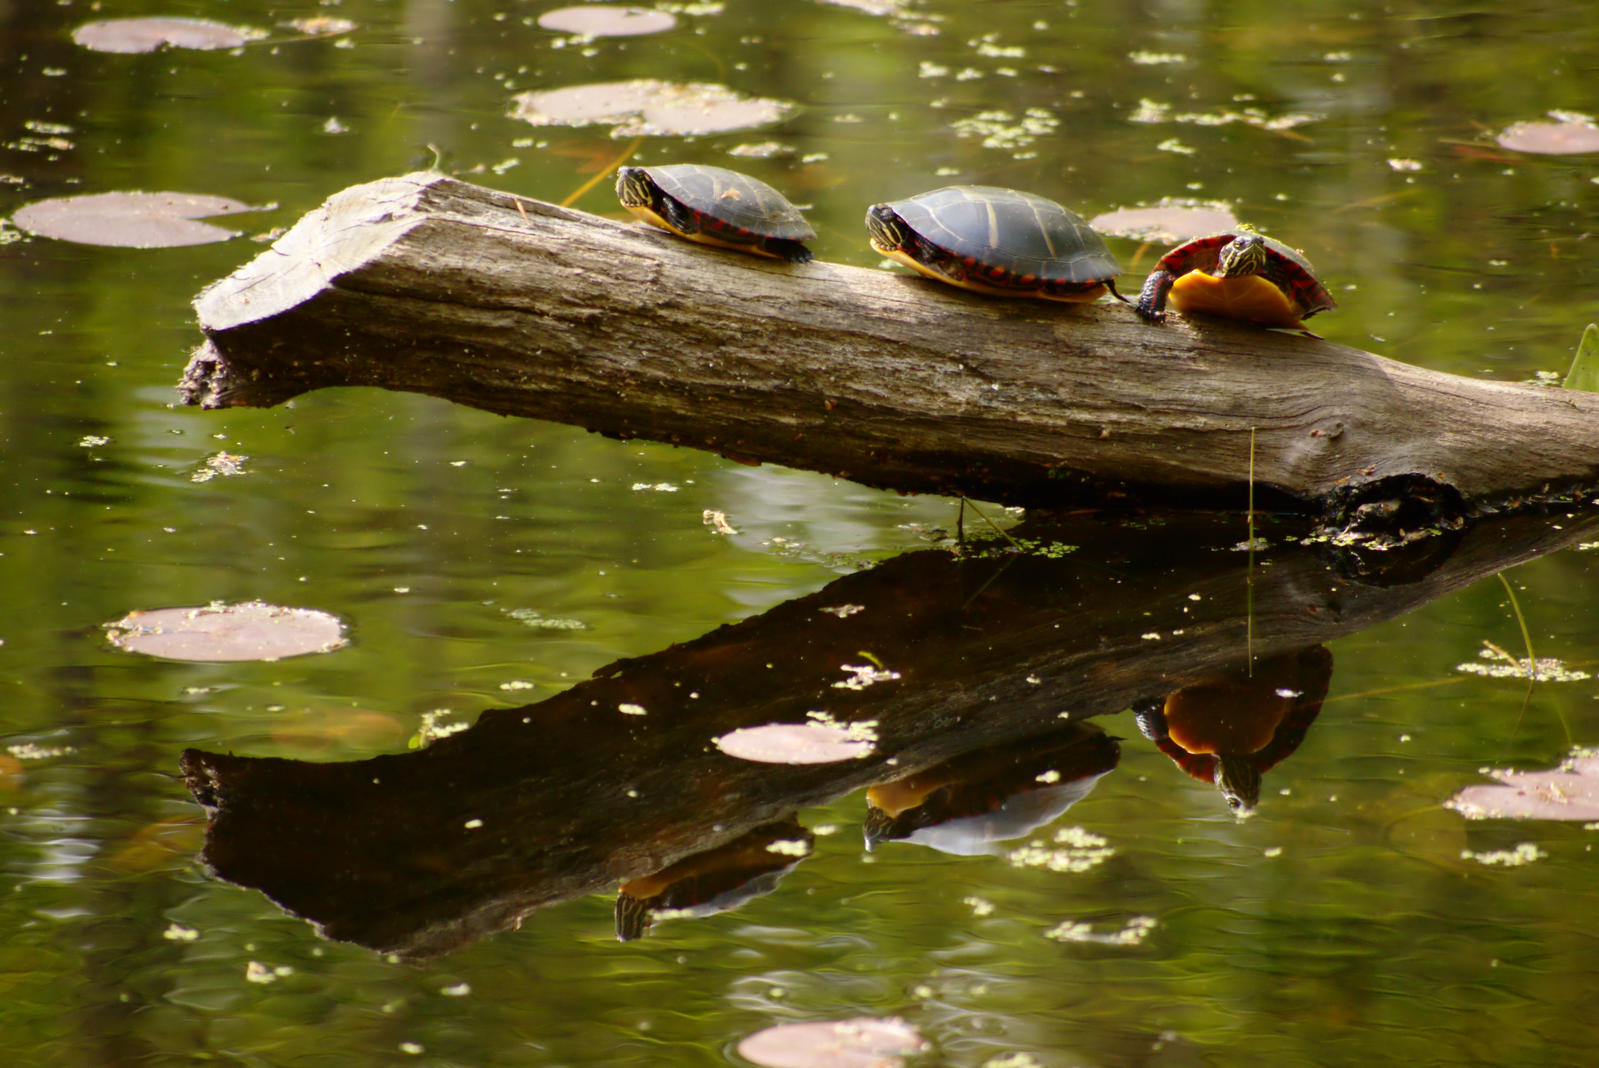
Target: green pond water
[(454, 904)]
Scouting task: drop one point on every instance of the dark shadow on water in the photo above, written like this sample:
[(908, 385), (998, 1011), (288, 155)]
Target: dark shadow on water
[(973, 674)]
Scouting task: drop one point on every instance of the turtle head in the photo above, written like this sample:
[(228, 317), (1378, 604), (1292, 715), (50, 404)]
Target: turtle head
[(1239, 781), (1243, 255), (633, 187), (888, 230)]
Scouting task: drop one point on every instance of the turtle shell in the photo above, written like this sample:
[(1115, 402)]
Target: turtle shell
[(1230, 729), (716, 206), (998, 241), (1238, 274)]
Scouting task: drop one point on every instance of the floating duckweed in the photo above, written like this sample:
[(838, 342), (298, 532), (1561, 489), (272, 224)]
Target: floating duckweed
[(987, 46), (1073, 850), (1152, 112), (864, 675), (29, 751), (222, 463), (717, 521), (979, 906), (761, 150), (1156, 59), (789, 847), (1004, 130), (532, 617), (862, 731), (1505, 666), (629, 709), (433, 727), (1524, 853), (1133, 933), (256, 972)]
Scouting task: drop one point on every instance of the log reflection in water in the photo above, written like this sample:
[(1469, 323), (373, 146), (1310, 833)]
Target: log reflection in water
[(422, 852)]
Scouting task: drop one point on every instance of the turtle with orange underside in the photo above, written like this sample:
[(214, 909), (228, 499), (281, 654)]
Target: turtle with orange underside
[(1237, 274), (1229, 729)]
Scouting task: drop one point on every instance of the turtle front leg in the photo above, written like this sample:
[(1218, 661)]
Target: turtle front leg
[(1151, 306)]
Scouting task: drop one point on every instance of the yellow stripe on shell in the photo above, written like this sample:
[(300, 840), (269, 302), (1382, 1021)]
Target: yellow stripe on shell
[(655, 220), (900, 256)]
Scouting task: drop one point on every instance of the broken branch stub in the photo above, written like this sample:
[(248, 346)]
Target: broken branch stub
[(432, 285)]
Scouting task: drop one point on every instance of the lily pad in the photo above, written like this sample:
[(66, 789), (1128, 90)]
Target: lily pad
[(794, 743), (1567, 135), (132, 220), (592, 20), (1169, 222), (321, 25), (253, 630), (1569, 792), (150, 34), (648, 106), (864, 1042)]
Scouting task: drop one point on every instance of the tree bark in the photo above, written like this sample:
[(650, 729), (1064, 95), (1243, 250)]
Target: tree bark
[(429, 284)]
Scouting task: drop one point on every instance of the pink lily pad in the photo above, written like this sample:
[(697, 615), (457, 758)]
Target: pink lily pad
[(593, 20), (794, 743), (648, 106), (1168, 222), (253, 630), (1569, 792), (864, 1042), (150, 34), (1563, 138), (132, 220)]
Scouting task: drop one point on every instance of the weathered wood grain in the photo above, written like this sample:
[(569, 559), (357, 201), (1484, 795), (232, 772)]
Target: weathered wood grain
[(430, 284)]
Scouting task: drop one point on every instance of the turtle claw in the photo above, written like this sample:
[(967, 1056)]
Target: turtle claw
[(1149, 315)]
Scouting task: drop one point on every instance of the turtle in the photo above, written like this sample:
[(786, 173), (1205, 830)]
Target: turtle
[(1239, 274), (973, 802), (716, 206), (1002, 242), (714, 881), (1230, 728)]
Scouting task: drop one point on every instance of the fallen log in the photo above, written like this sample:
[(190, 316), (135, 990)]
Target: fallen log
[(429, 284)]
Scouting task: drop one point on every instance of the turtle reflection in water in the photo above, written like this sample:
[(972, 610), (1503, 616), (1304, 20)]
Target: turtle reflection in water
[(717, 880), (1229, 729), (973, 803)]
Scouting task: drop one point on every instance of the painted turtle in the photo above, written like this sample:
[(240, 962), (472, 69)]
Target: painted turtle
[(997, 241), (1239, 274), (972, 803), (717, 880), (716, 206), (1229, 729)]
